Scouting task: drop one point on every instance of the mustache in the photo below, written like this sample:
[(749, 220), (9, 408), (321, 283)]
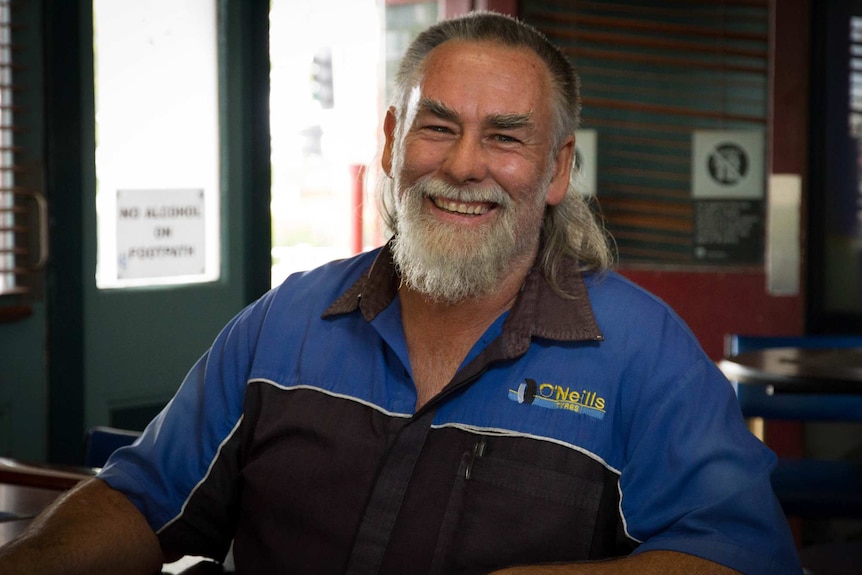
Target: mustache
[(436, 188)]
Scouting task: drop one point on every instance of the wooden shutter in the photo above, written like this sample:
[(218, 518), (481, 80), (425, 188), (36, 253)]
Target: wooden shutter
[(652, 72)]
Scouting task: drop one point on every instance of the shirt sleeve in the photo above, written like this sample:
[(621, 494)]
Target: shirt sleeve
[(697, 481), (182, 472)]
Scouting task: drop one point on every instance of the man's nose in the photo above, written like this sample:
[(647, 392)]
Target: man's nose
[(466, 160)]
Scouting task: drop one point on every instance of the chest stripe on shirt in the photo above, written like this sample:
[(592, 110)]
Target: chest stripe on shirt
[(203, 479), (330, 393)]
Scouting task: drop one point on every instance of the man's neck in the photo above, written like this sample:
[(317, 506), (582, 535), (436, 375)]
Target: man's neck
[(420, 309), (439, 335)]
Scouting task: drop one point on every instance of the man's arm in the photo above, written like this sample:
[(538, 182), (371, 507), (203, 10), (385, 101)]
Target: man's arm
[(648, 563), (91, 529)]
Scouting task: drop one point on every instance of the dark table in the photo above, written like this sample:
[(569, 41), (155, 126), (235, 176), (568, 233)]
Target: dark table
[(26, 489), (18, 505), (798, 370)]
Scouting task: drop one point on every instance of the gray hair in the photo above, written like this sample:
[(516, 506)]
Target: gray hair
[(570, 228)]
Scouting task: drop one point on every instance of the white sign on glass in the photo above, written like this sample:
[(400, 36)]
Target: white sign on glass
[(160, 233)]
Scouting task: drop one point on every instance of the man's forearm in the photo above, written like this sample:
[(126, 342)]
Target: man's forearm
[(648, 563), (91, 529)]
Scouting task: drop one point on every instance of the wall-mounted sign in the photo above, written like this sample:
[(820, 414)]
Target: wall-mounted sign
[(728, 189), (160, 233), (728, 231), (586, 154), (727, 165)]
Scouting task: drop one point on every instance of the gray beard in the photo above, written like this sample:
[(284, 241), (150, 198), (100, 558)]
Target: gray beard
[(448, 263)]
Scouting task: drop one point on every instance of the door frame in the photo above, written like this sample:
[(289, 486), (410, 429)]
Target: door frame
[(70, 181)]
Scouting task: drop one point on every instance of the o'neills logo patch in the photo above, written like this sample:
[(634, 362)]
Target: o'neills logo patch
[(551, 396)]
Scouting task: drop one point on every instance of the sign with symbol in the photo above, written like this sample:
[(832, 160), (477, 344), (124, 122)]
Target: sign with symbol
[(728, 165), (728, 181), (160, 233)]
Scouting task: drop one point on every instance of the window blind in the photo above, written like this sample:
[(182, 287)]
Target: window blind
[(651, 74), (23, 210)]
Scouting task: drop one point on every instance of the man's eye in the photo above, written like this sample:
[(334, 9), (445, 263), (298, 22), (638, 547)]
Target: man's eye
[(505, 138), (438, 129)]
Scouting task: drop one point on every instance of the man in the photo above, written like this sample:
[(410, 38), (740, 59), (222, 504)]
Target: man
[(479, 395)]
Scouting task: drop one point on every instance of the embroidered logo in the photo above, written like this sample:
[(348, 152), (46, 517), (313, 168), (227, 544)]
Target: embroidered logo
[(552, 396)]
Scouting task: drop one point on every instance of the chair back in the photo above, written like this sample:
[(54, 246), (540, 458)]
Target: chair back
[(806, 487), (102, 441), (756, 402)]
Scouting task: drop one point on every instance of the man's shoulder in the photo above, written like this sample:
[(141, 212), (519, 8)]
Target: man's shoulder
[(621, 305), (612, 287), (306, 293)]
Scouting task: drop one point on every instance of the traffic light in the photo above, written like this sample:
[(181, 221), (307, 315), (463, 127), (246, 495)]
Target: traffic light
[(321, 78)]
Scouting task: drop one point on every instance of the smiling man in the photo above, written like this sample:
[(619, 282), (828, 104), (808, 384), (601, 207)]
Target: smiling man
[(482, 394), (473, 170)]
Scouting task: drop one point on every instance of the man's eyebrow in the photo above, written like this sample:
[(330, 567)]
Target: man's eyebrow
[(438, 108), (496, 121), (509, 121)]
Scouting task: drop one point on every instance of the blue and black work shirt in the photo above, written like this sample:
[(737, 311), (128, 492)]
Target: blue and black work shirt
[(577, 428)]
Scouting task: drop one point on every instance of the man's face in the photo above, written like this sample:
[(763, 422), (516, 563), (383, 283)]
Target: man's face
[(474, 170)]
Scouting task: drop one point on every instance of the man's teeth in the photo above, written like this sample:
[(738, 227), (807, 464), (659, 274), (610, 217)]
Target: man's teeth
[(459, 208)]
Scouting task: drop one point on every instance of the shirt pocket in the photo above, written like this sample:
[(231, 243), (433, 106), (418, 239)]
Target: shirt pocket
[(503, 512)]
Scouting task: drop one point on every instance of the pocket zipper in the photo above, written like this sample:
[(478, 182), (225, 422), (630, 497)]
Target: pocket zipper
[(478, 451)]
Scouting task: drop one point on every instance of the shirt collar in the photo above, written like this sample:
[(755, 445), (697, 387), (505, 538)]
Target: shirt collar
[(539, 311)]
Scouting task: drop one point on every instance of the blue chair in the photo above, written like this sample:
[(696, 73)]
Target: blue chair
[(102, 441), (808, 488)]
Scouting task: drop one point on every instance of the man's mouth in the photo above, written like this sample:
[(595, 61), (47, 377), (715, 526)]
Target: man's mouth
[(466, 208)]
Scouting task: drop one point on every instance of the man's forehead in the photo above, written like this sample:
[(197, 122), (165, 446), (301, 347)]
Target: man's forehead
[(454, 52), (503, 80)]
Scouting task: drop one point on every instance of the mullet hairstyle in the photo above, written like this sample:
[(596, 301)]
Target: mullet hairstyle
[(569, 229)]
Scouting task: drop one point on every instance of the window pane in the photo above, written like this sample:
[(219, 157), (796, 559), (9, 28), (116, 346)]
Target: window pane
[(157, 154), (324, 122), (331, 64)]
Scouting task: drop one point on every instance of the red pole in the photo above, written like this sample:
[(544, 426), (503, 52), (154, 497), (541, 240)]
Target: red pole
[(357, 177)]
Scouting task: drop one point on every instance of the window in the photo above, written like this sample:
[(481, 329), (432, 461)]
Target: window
[(330, 81), (834, 235), (324, 125), (157, 142)]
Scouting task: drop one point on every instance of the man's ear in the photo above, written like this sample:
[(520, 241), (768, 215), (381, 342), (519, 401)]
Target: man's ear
[(559, 184), (389, 134)]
